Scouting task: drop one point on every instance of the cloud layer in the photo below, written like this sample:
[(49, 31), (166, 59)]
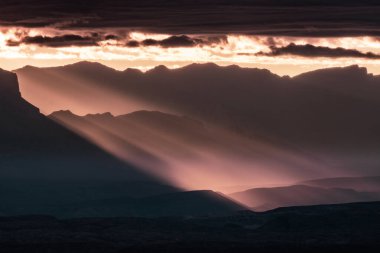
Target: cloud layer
[(144, 34), (57, 41), (276, 17), (317, 51), (178, 41)]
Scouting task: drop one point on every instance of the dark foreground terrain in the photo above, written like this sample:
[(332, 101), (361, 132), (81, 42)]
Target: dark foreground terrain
[(324, 228)]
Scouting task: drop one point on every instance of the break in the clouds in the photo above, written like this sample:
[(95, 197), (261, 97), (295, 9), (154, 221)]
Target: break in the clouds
[(317, 51)]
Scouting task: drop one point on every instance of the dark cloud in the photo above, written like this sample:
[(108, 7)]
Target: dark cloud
[(111, 37), (180, 41), (173, 41), (177, 41), (92, 39), (133, 43), (150, 42), (317, 51), (274, 17), (58, 41)]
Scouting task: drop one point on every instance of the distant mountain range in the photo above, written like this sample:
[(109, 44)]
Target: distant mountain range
[(322, 128), (153, 129), (313, 192), (328, 116)]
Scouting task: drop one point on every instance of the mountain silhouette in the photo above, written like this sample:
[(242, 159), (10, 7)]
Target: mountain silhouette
[(173, 134), (30, 140), (327, 114), (43, 164), (47, 169)]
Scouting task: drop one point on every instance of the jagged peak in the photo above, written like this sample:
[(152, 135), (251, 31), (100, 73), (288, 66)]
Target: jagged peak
[(25, 68), (61, 113), (158, 69), (89, 65), (133, 71), (145, 114), (202, 65), (215, 67), (99, 115), (351, 71), (355, 70)]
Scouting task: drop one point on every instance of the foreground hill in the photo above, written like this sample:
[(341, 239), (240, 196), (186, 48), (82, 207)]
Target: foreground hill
[(297, 195), (328, 228), (105, 201)]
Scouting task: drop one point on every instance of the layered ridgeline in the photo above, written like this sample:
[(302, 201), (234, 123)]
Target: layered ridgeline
[(187, 152), (34, 146), (238, 126), (312, 192), (328, 116), (166, 135), (47, 169)]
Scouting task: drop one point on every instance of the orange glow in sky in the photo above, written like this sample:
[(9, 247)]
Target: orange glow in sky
[(235, 49)]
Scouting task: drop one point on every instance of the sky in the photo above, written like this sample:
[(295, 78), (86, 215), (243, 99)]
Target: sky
[(288, 37)]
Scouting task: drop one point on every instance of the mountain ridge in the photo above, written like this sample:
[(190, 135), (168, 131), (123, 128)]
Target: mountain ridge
[(40, 159), (352, 67)]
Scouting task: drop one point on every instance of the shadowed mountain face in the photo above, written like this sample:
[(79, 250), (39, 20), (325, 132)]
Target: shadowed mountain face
[(34, 146), (187, 152), (144, 130), (191, 203), (46, 168), (329, 117)]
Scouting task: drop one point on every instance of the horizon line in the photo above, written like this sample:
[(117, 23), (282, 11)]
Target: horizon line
[(187, 65)]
